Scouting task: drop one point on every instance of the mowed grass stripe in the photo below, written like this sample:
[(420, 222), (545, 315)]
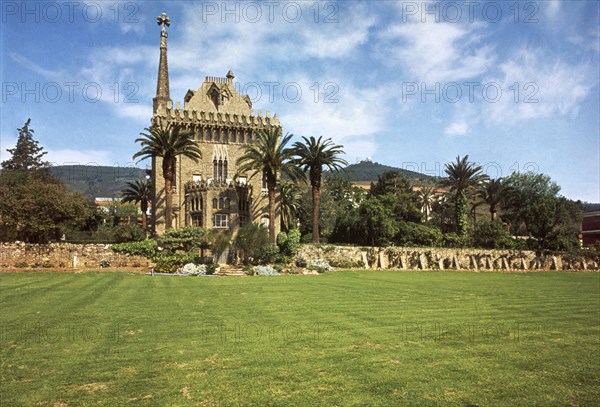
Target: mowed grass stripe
[(346, 338)]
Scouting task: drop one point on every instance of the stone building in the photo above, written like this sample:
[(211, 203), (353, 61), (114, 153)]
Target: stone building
[(209, 193)]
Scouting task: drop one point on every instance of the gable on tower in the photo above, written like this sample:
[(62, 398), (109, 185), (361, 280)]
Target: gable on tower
[(218, 95)]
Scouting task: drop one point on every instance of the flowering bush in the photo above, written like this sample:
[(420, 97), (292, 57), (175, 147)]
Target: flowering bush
[(265, 271), (320, 265), (192, 269)]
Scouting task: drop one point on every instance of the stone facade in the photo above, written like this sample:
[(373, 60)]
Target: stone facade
[(210, 193)]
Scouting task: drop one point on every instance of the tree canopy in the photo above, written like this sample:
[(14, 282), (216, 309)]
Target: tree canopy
[(27, 154)]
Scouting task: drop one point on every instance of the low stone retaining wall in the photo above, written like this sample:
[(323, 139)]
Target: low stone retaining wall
[(407, 258), (64, 256)]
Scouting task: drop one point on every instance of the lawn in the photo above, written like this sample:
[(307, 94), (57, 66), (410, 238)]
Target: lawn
[(344, 338)]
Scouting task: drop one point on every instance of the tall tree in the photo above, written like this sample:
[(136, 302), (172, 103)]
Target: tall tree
[(27, 154), (312, 156), (168, 143), (492, 192), (463, 176), (533, 206), (269, 157), (138, 191), (405, 203), (36, 207)]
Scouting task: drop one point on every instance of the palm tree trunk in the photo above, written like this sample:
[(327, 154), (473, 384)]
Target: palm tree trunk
[(316, 197), (493, 213), (272, 214), (168, 204)]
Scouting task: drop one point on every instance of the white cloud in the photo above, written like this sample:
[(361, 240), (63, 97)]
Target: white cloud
[(457, 128), (552, 9), (435, 52), (536, 85)]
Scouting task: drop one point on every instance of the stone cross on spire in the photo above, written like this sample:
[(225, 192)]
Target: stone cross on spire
[(163, 20), (163, 97)]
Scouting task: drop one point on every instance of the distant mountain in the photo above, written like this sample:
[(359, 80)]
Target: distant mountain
[(96, 181), (365, 171)]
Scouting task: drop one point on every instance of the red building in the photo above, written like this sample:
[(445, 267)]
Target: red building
[(591, 224)]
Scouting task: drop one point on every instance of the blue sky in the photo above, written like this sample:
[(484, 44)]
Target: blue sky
[(411, 84)]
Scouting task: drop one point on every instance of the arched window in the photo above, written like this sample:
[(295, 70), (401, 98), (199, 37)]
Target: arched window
[(220, 171), (221, 203), (215, 203), (224, 170), (215, 172)]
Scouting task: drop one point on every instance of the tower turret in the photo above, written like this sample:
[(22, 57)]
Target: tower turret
[(163, 97)]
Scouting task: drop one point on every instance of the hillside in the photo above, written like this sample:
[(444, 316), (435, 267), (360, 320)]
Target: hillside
[(96, 181), (103, 181), (366, 171)]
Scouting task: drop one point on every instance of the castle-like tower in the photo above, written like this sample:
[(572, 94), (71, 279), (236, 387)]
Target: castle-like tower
[(209, 193)]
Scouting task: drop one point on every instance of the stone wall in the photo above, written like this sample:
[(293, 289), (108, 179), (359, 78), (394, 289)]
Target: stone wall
[(407, 258), (62, 255)]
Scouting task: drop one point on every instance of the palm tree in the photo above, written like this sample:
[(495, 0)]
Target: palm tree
[(168, 143), (291, 204), (492, 192), (426, 199), (138, 191), (268, 156), (462, 177), (312, 156)]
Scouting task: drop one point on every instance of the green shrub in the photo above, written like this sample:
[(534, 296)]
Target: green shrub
[(453, 240), (211, 268), (301, 262), (289, 243), (249, 270), (186, 239), (267, 253), (170, 263), (128, 232), (410, 233), (492, 235), (147, 248)]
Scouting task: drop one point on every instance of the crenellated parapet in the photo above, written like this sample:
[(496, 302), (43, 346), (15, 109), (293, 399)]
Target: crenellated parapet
[(194, 117)]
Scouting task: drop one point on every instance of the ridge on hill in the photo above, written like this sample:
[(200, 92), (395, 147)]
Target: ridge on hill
[(104, 181), (367, 171), (96, 181)]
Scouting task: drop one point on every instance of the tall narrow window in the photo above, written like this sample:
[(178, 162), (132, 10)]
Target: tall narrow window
[(221, 203), (215, 173), (200, 135), (220, 171), (215, 202), (224, 170)]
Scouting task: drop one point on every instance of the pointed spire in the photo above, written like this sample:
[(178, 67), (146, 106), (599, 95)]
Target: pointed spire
[(162, 86)]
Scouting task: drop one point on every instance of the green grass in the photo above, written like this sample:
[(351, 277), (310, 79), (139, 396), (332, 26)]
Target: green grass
[(346, 338)]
